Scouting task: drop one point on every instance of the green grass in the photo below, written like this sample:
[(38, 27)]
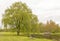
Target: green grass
[(9, 36), (19, 38)]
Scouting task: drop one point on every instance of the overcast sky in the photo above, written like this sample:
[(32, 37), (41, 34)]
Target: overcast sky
[(44, 9)]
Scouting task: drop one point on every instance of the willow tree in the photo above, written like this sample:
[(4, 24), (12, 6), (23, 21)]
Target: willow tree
[(17, 16)]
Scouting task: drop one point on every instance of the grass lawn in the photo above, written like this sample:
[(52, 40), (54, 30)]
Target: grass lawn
[(20, 38), (8, 37)]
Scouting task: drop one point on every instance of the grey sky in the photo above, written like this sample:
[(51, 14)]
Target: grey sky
[(44, 9)]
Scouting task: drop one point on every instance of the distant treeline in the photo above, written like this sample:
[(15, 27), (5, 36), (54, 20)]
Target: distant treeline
[(50, 26)]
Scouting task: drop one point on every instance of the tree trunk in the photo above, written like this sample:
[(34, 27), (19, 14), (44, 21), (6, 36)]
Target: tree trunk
[(18, 28), (18, 33)]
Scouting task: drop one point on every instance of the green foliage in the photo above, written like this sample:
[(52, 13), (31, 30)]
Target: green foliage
[(19, 16)]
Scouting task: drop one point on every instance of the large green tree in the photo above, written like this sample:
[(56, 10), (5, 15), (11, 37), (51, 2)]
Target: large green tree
[(18, 16)]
